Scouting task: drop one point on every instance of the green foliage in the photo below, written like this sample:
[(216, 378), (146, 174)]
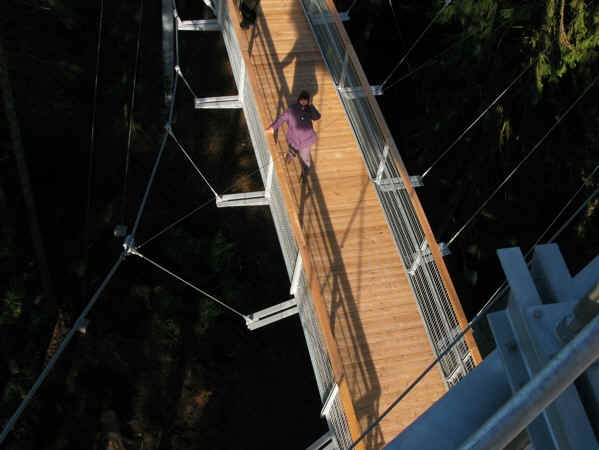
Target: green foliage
[(506, 13), (221, 253), (12, 308), (568, 37), (209, 312), (560, 34), (163, 299), (15, 392)]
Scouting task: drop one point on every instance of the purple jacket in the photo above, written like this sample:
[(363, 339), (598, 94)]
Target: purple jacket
[(300, 133)]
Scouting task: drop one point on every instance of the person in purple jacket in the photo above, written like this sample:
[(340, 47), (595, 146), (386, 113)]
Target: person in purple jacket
[(300, 133)]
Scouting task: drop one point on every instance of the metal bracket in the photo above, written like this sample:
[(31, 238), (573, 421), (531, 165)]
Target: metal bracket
[(328, 403), (424, 255), (129, 246), (242, 81), (297, 270), (225, 102), (381, 169), (395, 184), (324, 442), (271, 314), (198, 25), (526, 337), (83, 326), (327, 17), (210, 4), (244, 199), (269, 177), (358, 92)]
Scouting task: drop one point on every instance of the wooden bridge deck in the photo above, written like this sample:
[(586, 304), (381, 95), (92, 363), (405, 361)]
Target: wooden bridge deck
[(355, 272)]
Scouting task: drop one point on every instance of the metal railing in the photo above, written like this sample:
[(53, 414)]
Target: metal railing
[(389, 178), (321, 362)]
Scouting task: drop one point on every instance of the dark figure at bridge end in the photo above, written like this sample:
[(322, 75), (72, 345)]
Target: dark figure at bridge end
[(248, 10)]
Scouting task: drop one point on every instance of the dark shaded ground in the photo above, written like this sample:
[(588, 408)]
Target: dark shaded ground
[(159, 363)]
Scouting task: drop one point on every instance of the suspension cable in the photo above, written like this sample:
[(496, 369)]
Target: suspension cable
[(170, 131), (515, 169), (492, 300), (92, 146), (180, 73), (432, 60), (564, 208), (131, 108), (195, 210), (159, 156), (176, 16), (498, 294), (447, 3), (480, 116), (580, 208), (156, 163), (77, 325), (211, 297), (351, 6), (175, 223), (11, 423), (401, 37)]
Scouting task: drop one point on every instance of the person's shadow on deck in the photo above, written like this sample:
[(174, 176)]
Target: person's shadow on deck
[(304, 77)]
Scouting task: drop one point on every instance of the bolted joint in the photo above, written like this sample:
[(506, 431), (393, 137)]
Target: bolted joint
[(128, 245), (584, 311), (377, 90), (178, 70)]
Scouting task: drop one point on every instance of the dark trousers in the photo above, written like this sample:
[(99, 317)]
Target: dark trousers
[(248, 12)]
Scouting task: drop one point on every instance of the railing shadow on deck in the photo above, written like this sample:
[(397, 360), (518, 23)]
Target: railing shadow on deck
[(314, 216)]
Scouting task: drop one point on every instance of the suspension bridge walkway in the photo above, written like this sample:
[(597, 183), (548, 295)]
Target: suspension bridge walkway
[(362, 322)]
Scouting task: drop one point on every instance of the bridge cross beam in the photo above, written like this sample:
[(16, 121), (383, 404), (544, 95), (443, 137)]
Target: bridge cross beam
[(388, 184)]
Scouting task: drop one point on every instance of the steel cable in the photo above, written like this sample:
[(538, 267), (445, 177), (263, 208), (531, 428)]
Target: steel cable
[(515, 169), (434, 19), (498, 294), (131, 108), (480, 116), (11, 422)]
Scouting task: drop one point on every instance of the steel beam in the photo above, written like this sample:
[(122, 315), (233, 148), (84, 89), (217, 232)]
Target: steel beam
[(198, 25), (328, 403), (358, 92), (225, 102), (540, 392), (327, 17), (325, 442), (243, 199), (297, 270), (395, 184), (272, 314), (424, 255)]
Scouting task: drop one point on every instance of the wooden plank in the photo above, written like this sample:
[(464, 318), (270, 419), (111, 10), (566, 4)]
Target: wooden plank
[(365, 308), (321, 312), (448, 283)]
